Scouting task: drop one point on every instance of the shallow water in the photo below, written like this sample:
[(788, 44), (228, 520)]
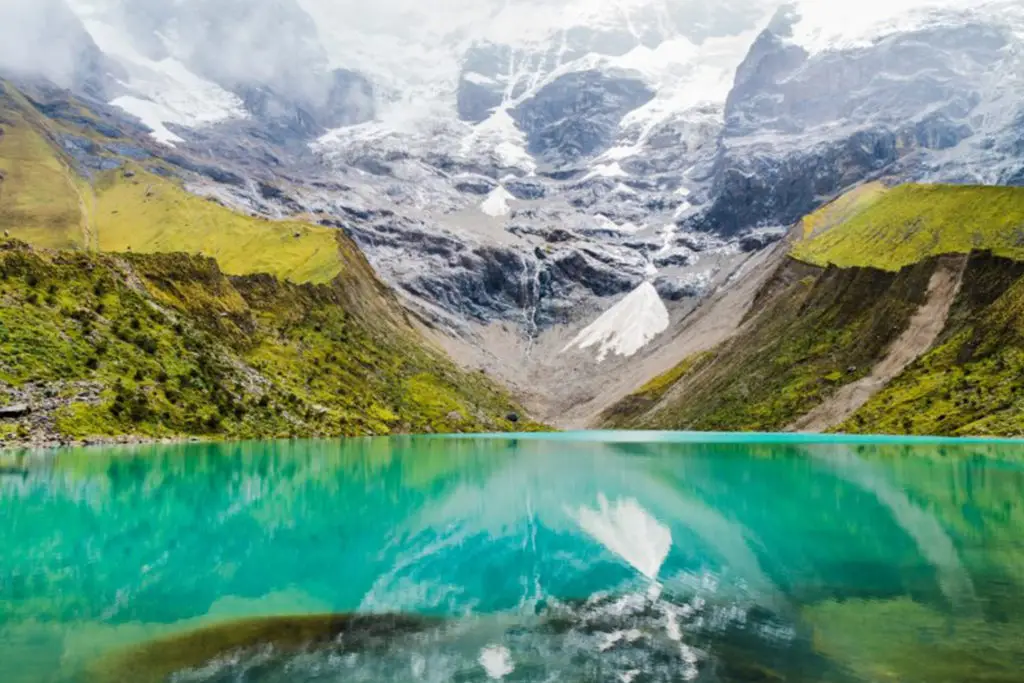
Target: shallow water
[(571, 557)]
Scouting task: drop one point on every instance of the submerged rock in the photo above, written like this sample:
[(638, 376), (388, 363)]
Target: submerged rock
[(274, 637)]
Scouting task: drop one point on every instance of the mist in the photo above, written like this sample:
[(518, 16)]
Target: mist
[(44, 38)]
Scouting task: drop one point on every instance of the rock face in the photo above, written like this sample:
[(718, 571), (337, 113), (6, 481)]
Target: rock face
[(578, 115), (918, 104)]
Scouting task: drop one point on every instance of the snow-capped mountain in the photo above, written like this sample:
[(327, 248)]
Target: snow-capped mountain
[(543, 167)]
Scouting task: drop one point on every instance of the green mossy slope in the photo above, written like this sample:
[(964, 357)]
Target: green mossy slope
[(167, 346), (41, 199), (144, 213), (632, 408), (210, 322), (44, 202), (972, 381), (815, 330), (907, 224)]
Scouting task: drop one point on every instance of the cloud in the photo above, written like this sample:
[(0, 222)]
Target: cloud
[(44, 38)]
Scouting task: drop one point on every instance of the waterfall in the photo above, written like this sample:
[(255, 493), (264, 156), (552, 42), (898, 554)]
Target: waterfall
[(530, 296)]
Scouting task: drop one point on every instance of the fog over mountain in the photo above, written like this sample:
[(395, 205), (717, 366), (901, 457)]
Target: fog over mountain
[(516, 168)]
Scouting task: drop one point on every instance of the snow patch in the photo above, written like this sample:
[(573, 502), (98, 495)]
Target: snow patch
[(683, 208), (500, 137), (626, 327), (160, 91), (612, 170), (478, 79), (497, 202), (825, 25)]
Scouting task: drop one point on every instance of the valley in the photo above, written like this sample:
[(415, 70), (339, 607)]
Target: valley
[(656, 215)]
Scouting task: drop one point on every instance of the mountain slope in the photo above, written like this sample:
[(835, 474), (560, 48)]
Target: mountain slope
[(968, 383), (64, 185), (899, 338), (117, 336), (166, 345), (897, 227)]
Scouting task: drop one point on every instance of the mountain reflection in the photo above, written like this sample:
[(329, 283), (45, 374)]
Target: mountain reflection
[(107, 548)]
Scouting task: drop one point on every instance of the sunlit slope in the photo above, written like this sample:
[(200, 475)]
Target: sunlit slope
[(145, 213), (131, 307), (167, 345), (970, 381), (814, 331), (894, 228), (41, 199), (46, 203)]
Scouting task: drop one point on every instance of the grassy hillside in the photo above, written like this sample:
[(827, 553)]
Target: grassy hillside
[(970, 382), (814, 331), (168, 345), (149, 214), (891, 229), (41, 199), (45, 202), (631, 410), (859, 270)]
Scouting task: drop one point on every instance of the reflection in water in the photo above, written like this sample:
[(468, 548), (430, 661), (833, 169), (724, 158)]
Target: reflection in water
[(630, 532), (933, 542), (772, 561), (497, 661)]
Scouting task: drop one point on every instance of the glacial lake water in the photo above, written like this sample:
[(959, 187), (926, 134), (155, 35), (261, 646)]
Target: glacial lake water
[(626, 558)]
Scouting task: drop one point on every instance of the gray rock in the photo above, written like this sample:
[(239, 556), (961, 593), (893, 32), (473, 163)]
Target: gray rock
[(578, 114), (15, 411)]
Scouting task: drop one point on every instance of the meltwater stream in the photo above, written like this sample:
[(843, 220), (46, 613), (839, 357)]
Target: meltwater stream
[(573, 558)]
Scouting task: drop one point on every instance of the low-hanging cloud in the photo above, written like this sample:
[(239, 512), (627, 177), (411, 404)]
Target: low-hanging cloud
[(44, 38)]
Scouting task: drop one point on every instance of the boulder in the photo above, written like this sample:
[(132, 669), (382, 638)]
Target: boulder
[(15, 411)]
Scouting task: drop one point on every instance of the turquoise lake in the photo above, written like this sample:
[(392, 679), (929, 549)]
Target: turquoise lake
[(626, 558)]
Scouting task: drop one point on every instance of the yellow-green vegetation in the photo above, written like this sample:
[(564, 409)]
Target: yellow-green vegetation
[(969, 383), (45, 203), (167, 345), (210, 322), (812, 331), (859, 270), (149, 214), (910, 223), (841, 210), (901, 640), (623, 413), (40, 197)]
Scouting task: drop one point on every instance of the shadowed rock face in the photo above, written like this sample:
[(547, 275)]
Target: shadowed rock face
[(157, 661), (916, 105), (578, 115)]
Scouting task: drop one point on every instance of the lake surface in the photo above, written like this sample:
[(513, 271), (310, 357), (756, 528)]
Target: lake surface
[(627, 558)]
